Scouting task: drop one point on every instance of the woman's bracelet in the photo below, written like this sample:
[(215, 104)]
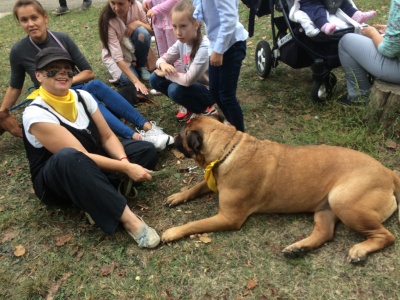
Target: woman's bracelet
[(123, 158)]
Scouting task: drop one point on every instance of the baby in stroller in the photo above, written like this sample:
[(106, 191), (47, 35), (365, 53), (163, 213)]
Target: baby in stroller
[(326, 16), (317, 12)]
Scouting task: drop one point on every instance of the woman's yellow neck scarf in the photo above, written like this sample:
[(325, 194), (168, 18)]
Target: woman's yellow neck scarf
[(64, 105)]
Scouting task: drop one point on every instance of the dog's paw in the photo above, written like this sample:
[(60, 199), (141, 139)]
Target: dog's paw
[(175, 199), (171, 234), (294, 252), (357, 254)]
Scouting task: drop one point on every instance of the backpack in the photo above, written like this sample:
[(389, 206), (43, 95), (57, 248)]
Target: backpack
[(257, 8)]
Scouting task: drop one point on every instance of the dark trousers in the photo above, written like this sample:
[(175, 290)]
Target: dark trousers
[(63, 3), (223, 84), (316, 11), (70, 177)]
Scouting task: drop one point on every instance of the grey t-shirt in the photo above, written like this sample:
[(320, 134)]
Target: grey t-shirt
[(23, 52)]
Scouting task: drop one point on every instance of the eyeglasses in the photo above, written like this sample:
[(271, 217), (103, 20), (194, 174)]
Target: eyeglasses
[(52, 73)]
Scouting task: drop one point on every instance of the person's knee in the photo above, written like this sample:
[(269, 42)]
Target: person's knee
[(142, 34), (95, 84), (174, 91), (153, 80), (67, 156)]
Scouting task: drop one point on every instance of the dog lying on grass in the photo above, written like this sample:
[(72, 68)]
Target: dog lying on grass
[(254, 176)]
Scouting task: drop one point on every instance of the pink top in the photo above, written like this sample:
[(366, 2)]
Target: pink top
[(162, 10), (116, 30)]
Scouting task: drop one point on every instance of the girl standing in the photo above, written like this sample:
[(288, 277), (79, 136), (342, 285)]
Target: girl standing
[(187, 88), (227, 50), (159, 11)]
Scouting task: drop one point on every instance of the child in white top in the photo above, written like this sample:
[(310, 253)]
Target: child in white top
[(188, 88)]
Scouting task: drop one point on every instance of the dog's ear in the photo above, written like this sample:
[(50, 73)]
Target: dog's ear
[(194, 141), (218, 117)]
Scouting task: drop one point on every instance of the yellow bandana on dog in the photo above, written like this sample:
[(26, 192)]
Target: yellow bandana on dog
[(209, 176)]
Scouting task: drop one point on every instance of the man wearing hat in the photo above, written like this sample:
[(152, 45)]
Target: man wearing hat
[(74, 156)]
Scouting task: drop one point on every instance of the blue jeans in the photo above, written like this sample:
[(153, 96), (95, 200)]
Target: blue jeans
[(316, 11), (223, 84), (141, 40), (195, 98), (112, 104)]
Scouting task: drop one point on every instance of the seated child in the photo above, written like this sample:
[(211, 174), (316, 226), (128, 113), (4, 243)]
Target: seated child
[(317, 12)]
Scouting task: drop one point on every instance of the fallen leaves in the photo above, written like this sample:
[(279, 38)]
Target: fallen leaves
[(8, 237), (19, 251), (203, 238), (60, 241), (108, 269), (250, 286), (54, 288)]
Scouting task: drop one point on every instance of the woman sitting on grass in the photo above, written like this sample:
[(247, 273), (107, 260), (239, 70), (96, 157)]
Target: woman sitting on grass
[(74, 157), (33, 19)]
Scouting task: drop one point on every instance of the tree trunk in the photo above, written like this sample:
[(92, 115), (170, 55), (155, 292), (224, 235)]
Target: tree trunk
[(384, 108)]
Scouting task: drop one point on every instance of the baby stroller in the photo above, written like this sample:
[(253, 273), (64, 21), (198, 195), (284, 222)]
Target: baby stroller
[(293, 47)]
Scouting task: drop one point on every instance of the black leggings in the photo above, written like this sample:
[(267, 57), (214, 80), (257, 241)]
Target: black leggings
[(71, 177)]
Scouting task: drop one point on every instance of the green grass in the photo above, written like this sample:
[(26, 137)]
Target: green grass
[(277, 108)]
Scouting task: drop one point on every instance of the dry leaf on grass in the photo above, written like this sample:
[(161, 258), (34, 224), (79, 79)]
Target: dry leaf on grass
[(54, 288), (107, 270), (205, 238), (19, 250), (251, 284), (8, 237), (60, 241), (390, 144), (2, 208), (177, 153)]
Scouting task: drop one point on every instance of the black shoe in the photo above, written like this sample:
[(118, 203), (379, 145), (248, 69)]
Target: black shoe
[(344, 101), (353, 102)]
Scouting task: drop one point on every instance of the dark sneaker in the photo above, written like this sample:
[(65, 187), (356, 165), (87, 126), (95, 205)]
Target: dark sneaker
[(85, 5), (353, 102), (61, 11)]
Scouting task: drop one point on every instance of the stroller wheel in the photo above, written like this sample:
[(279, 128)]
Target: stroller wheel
[(323, 91), (263, 58)]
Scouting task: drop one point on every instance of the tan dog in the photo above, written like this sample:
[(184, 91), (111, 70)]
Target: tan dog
[(254, 176)]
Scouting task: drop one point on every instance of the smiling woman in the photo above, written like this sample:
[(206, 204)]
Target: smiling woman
[(74, 156)]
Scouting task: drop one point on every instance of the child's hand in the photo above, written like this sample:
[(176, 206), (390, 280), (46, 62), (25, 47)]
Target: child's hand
[(150, 13), (216, 59), (168, 69), (159, 73)]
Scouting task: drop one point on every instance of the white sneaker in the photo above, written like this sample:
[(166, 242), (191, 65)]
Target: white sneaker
[(155, 92), (160, 140), (144, 73)]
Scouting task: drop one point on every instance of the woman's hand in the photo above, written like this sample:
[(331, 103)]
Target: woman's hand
[(381, 28), (167, 69), (141, 87), (369, 31), (131, 27), (138, 173), (146, 6)]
